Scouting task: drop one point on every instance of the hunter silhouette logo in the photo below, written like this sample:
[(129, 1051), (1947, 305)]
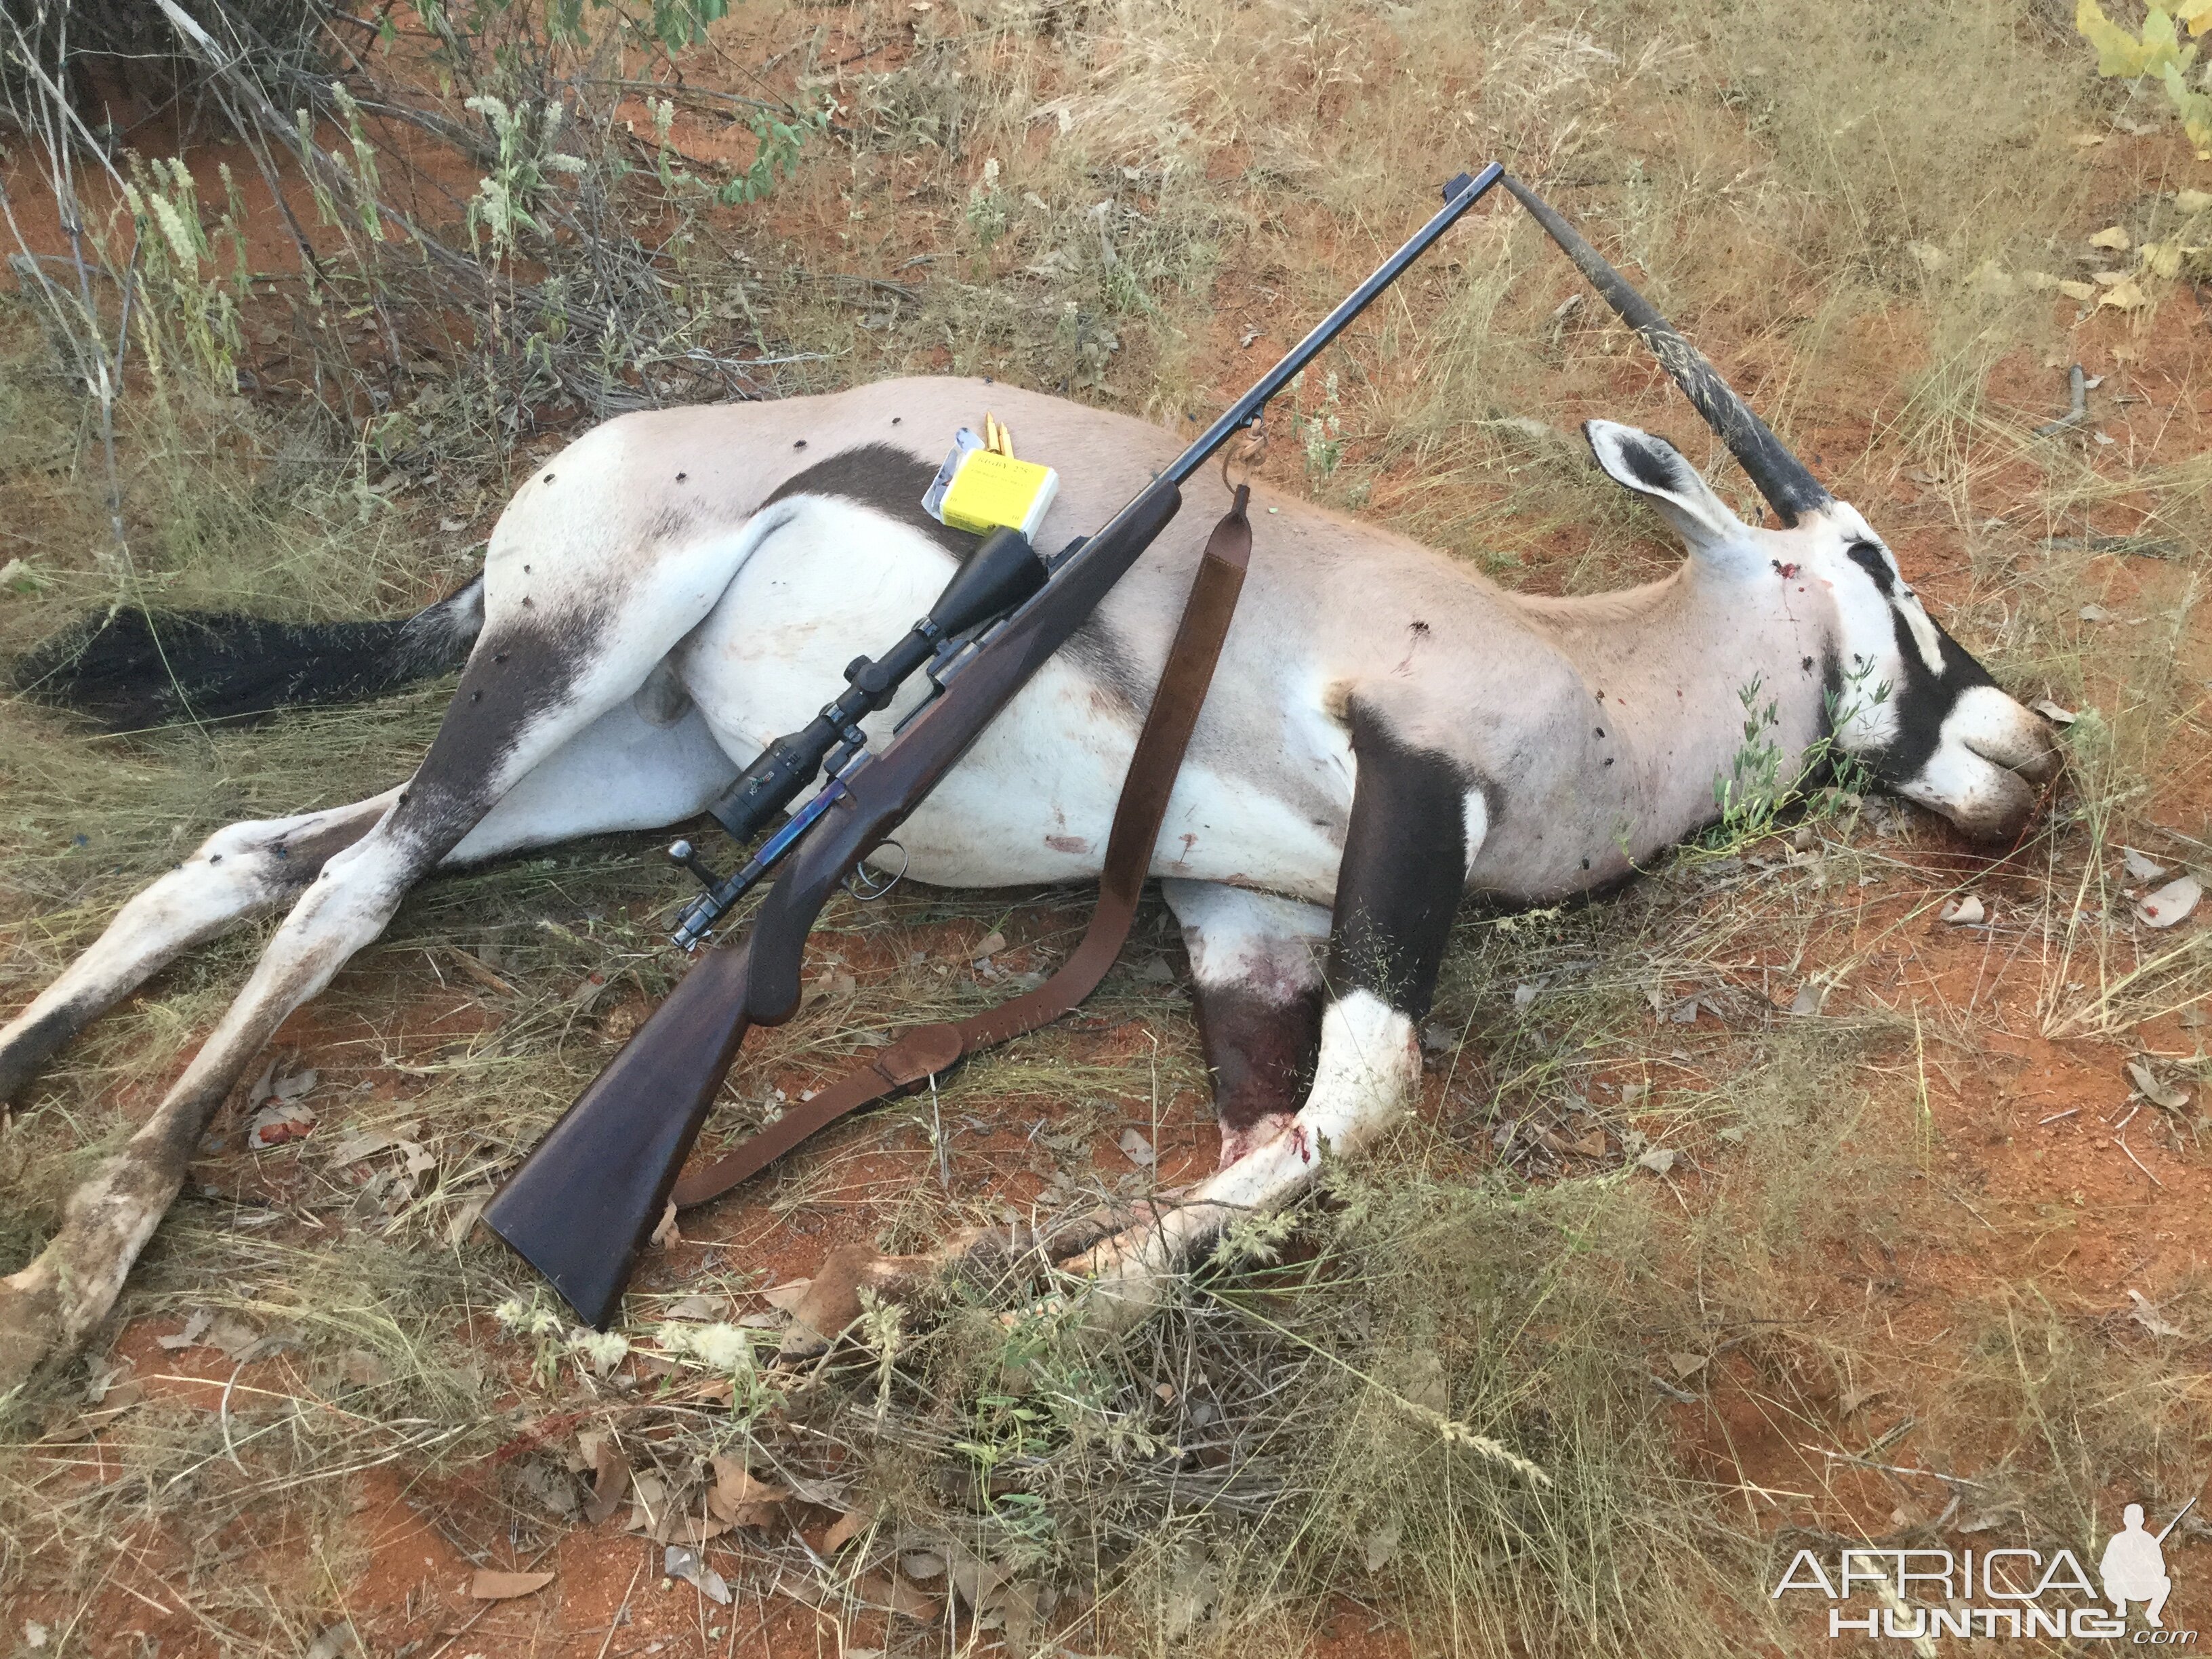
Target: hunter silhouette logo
[(2133, 1565), (1920, 1595)]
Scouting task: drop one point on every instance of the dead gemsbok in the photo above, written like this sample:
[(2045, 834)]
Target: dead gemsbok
[(1387, 734)]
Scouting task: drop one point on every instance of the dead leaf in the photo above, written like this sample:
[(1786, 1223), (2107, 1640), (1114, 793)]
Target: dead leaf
[(844, 1528), (648, 1495), (195, 1327), (465, 1220), (2171, 904), (991, 943), (2124, 296), (362, 1143), (786, 1297), (2053, 712), (2146, 1315), (1687, 1365), (922, 1564), (1864, 1395), (610, 1481), (1965, 911), (2073, 290), (701, 1309), (664, 1232), (331, 1642), (292, 1085), (2095, 613), (1807, 999), (1136, 1149), (1660, 1160), (1380, 1544), (233, 1336), (2140, 867), (741, 1498), (2193, 201), (2111, 237), (681, 1561), (833, 983), (879, 1590), (490, 1586), (2162, 1095)]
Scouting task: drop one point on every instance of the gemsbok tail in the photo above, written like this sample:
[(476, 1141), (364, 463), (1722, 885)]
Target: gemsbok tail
[(130, 669)]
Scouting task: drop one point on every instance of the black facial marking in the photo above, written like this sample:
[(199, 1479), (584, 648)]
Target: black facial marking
[(1260, 1049), (1868, 557), (1404, 869)]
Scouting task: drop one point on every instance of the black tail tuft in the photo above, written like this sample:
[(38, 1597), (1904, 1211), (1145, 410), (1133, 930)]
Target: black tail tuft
[(130, 670)]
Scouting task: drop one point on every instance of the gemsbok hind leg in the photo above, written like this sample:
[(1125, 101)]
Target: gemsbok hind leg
[(1415, 827), (237, 873), (524, 698), (646, 762)]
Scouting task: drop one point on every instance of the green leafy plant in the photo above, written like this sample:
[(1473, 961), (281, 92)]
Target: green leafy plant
[(2158, 51)]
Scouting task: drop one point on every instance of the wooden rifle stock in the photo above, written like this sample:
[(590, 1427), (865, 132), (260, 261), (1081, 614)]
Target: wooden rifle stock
[(590, 1194)]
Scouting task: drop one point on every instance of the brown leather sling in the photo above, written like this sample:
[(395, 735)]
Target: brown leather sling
[(929, 1051)]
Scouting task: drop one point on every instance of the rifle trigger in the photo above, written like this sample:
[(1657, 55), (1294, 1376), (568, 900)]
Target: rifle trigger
[(862, 886)]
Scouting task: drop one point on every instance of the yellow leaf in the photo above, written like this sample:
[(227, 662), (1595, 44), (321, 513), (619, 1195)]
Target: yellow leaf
[(2194, 109), (2193, 201), (2107, 278), (2078, 290), (2198, 14), (489, 1585), (2121, 56), (2123, 296), (2162, 260), (2111, 237)]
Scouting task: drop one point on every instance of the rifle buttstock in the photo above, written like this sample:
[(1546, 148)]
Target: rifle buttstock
[(588, 1197)]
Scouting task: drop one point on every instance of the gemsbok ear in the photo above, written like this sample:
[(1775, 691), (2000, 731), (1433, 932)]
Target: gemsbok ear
[(1656, 470)]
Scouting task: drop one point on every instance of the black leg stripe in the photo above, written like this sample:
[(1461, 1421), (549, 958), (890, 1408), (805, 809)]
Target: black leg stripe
[(1404, 869)]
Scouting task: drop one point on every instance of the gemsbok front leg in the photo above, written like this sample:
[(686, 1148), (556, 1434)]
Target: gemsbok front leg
[(1416, 825)]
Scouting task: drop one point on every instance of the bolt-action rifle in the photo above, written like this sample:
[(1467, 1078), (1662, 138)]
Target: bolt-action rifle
[(588, 1196)]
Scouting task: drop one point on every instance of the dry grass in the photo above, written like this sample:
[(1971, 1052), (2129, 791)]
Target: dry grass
[(1319, 1437)]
